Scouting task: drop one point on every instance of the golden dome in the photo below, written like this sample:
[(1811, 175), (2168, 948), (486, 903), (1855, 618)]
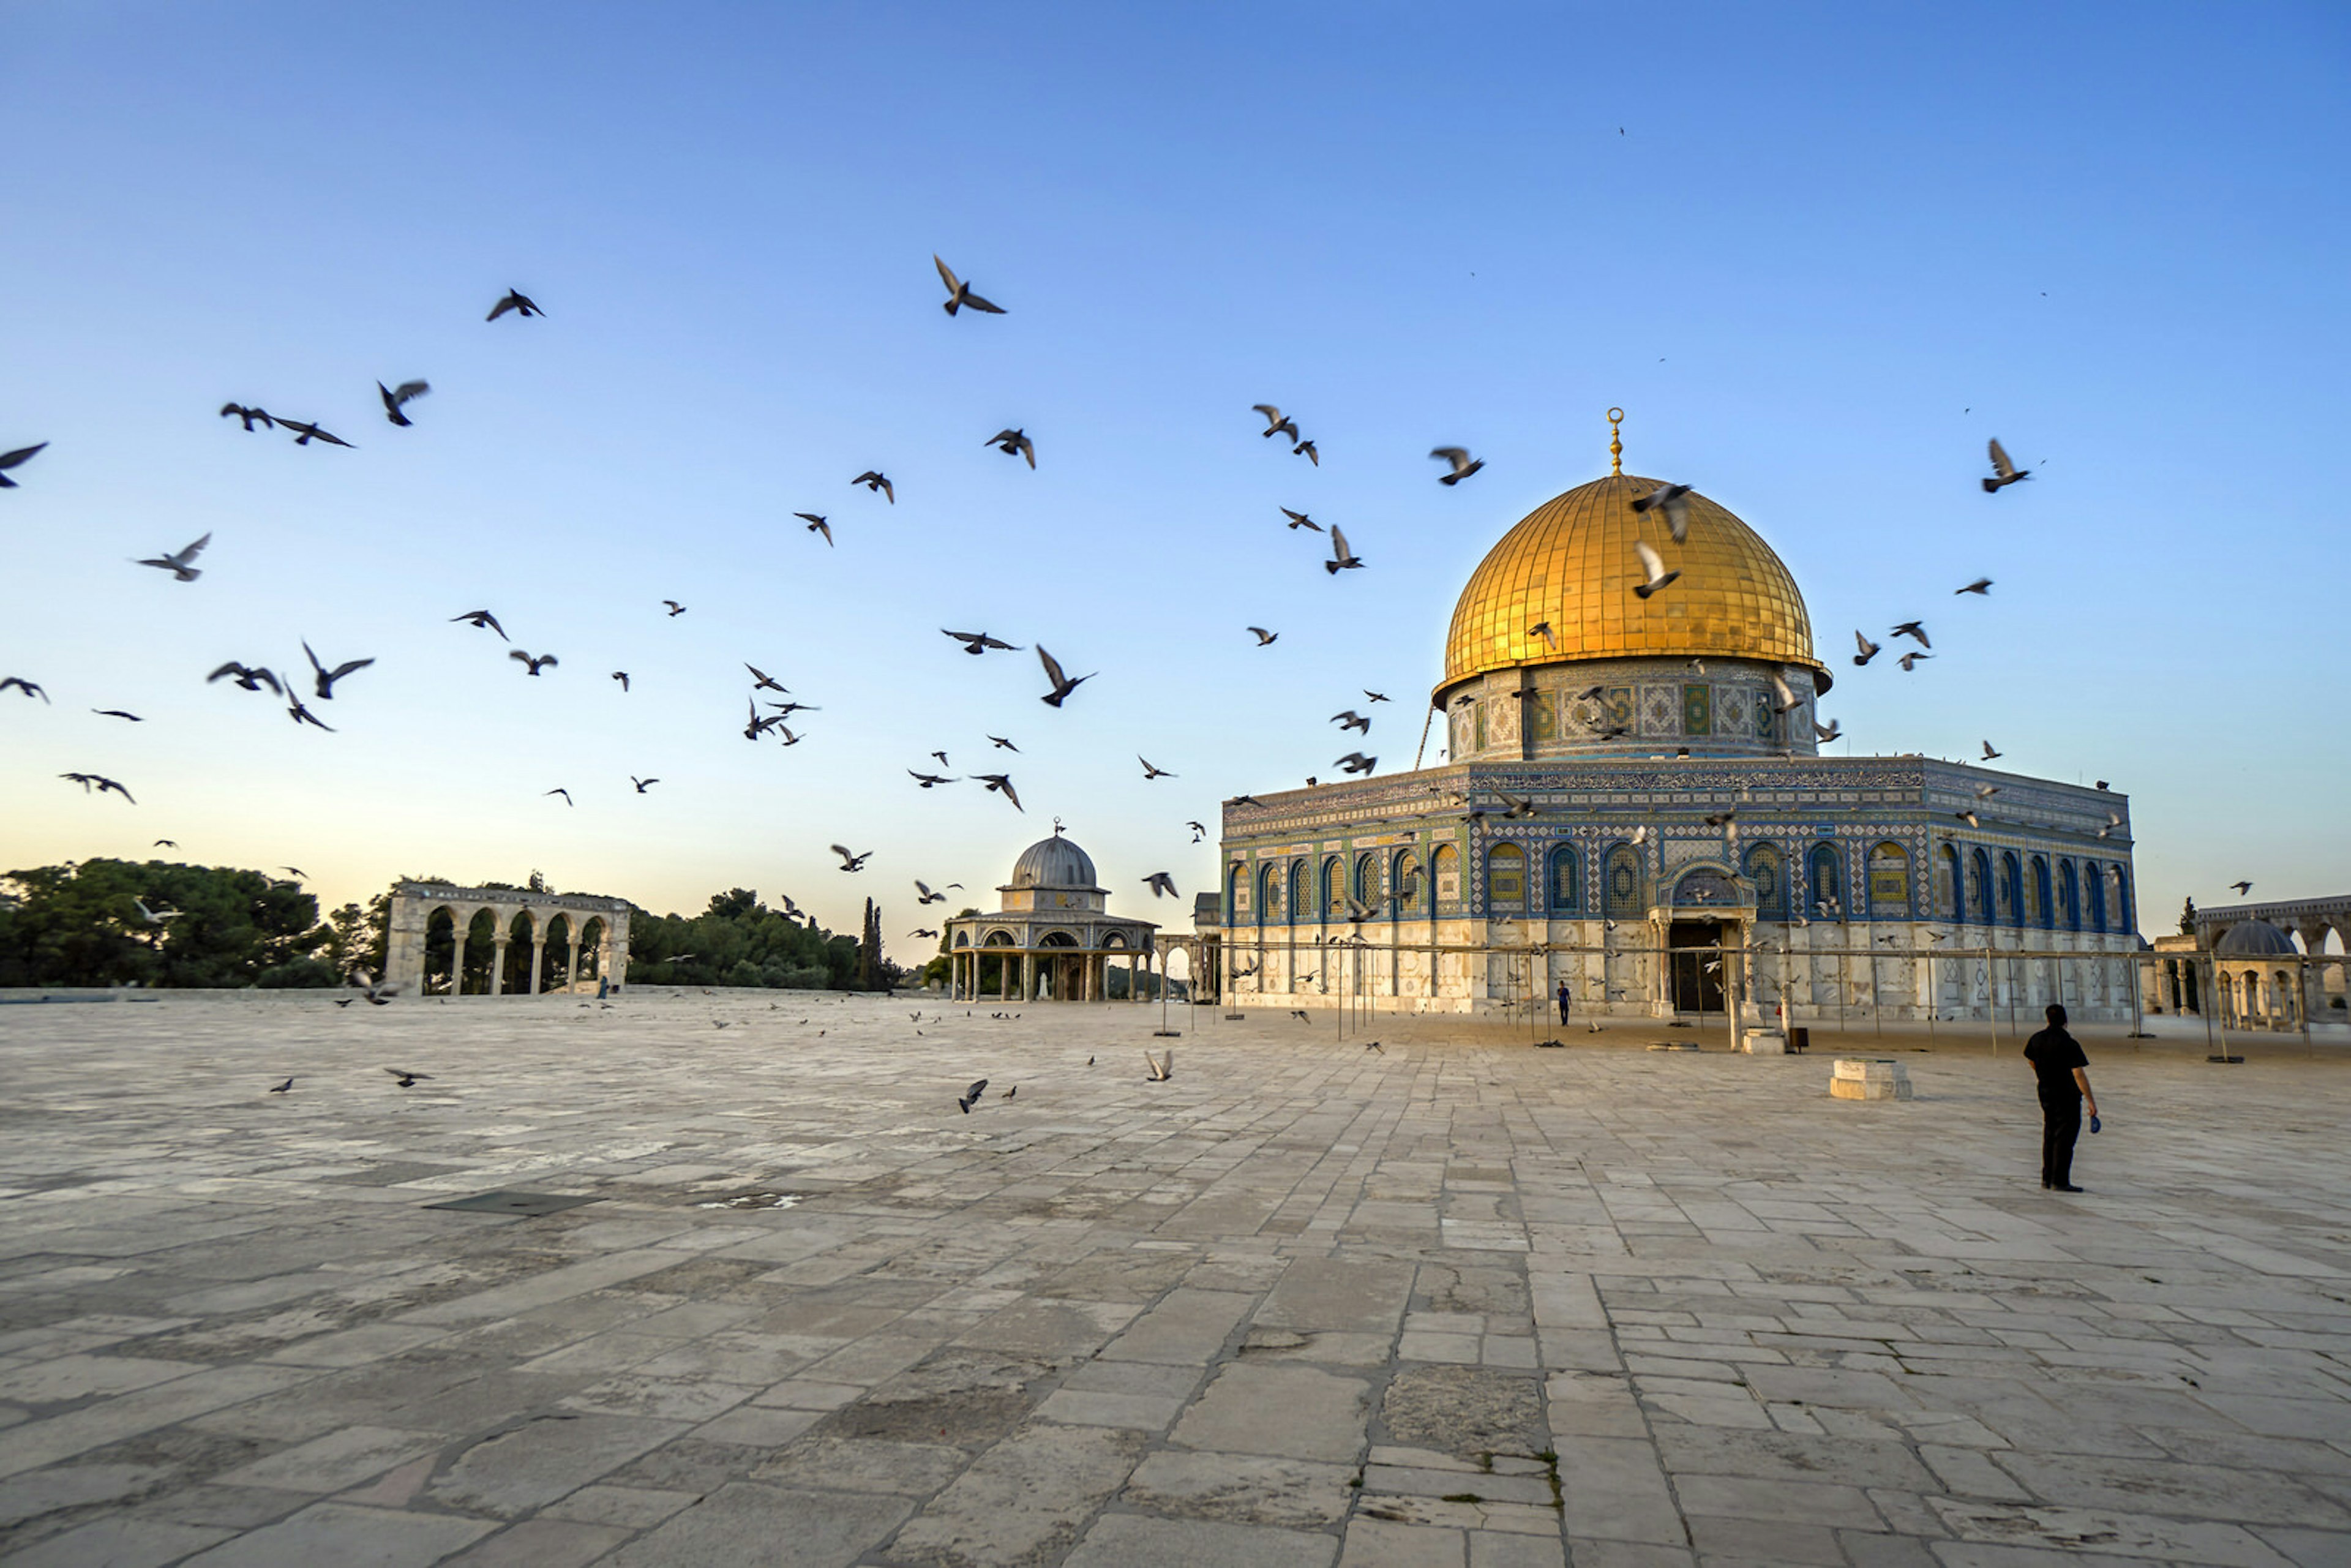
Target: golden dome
[(1570, 562)]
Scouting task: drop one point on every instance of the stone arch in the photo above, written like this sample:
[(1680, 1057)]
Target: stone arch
[(1767, 877), (1302, 893), (1889, 881), (1948, 886), (1444, 875), (1824, 869), (520, 930), (592, 932), (998, 937), (1621, 895), (2040, 907), (1368, 879), (2122, 897), (1334, 889), (1269, 894), (561, 948), (1506, 880), (1411, 890), (1563, 883), (1235, 880), (2012, 889), (436, 967), (2094, 896), (1980, 886), (963, 939), (2068, 894)]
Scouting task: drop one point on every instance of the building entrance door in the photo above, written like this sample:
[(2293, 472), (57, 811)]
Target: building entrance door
[(1697, 988)]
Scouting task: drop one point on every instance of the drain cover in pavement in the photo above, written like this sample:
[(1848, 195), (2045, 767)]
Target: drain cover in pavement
[(527, 1205)]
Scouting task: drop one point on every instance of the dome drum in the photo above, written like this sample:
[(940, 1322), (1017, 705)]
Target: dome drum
[(1631, 707)]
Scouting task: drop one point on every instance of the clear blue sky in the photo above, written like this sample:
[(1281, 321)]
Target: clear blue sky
[(1831, 251)]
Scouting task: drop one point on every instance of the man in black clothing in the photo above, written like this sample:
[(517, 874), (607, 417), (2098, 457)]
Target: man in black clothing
[(1563, 1001), (2064, 1083)]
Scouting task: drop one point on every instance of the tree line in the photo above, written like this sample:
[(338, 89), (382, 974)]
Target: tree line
[(160, 924)]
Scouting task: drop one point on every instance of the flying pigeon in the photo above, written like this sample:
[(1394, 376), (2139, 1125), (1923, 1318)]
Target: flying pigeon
[(1980, 585), (325, 678), (2242, 887), (1912, 629), (177, 564), (394, 397), (850, 862), (876, 481), (13, 459), (1013, 443), (675, 608), (406, 1080), (30, 688), (1341, 558), (558, 789), (1654, 565), (1263, 636), (1356, 762), (311, 432), (1001, 784), (1300, 520), (620, 675), (1151, 772), (970, 1096), (483, 620), (1307, 450), (1462, 464), (817, 525), (535, 663), (1162, 886), (516, 300), (1869, 650), (1063, 685), (959, 294), (977, 643), (1909, 662), (1352, 720), (249, 415), (1276, 423), (1674, 501), (2004, 472), (252, 678), (1989, 753)]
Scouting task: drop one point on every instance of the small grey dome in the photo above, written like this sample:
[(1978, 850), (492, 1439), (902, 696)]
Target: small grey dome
[(2253, 939), (1053, 862)]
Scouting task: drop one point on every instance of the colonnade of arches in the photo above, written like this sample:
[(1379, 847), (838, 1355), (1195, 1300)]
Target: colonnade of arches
[(1054, 968), (1985, 887), (455, 941)]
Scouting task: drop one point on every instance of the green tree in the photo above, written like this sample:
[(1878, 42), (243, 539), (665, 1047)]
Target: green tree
[(83, 924)]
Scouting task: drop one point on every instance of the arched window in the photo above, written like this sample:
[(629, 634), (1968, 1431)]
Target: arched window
[(2040, 908), (1334, 888), (1444, 872), (1980, 886), (2093, 895), (1367, 880), (1408, 890), (1302, 893), (1236, 892), (2069, 889), (1947, 883), (1506, 880), (2012, 889), (1828, 880), (1565, 881), (1269, 895), (1623, 872), (1889, 882), (1768, 878), (2122, 899)]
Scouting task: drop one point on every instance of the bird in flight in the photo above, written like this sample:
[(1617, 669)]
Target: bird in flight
[(1828, 731), (1912, 629), (1869, 650), (850, 862), (642, 784), (1356, 762), (1909, 662), (311, 432), (763, 682), (1969, 818), (1980, 585), (1263, 636), (1783, 695), (249, 415), (302, 716), (517, 301), (1462, 464), (560, 790), (923, 893), (1162, 886), (1352, 720), (1003, 745), (251, 677), (1300, 520), (924, 931), (1199, 831), (325, 678), (675, 608), (15, 459), (89, 781), (1159, 1069), (1013, 443), (1989, 753), (30, 688), (1673, 500), (2114, 820), (282, 1087), (177, 564), (1654, 566), (874, 480), (483, 621), (970, 1096), (406, 1080), (2242, 887), (536, 661), (926, 780), (1276, 423), (817, 525), (1375, 696), (959, 294), (1063, 685), (1001, 784), (620, 675), (1307, 450), (394, 397), (1341, 558), (2004, 473), (943, 759), (1149, 772), (977, 643), (117, 712), (1543, 629)]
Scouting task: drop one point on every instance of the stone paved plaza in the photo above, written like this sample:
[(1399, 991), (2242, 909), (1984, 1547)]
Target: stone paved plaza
[(1456, 1302)]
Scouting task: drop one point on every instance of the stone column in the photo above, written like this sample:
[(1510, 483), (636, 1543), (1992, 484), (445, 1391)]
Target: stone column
[(537, 959), (1028, 976), (498, 966), (571, 963), (456, 957)]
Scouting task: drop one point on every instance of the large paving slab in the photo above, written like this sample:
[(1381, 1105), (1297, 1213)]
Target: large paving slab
[(1457, 1300)]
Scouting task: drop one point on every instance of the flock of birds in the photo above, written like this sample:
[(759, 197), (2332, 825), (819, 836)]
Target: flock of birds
[(1667, 503)]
